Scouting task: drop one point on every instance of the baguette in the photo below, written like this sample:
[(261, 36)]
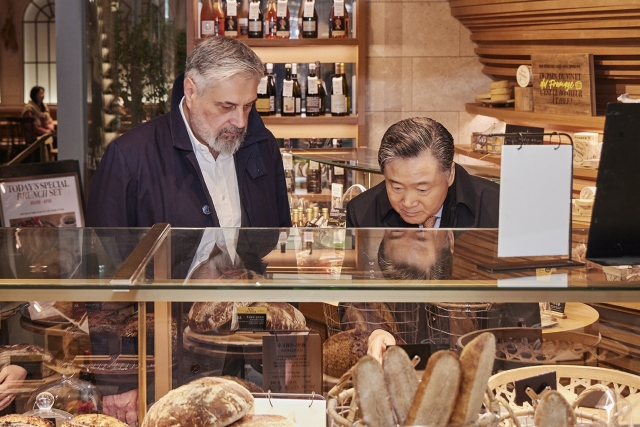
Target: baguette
[(372, 396), (553, 410), (437, 393), (401, 380), (476, 361)]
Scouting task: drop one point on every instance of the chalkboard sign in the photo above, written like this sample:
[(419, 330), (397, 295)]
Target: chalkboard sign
[(557, 307)]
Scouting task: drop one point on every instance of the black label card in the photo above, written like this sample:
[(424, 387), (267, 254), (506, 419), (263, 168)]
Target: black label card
[(252, 318), (292, 363), (557, 307), (93, 306)]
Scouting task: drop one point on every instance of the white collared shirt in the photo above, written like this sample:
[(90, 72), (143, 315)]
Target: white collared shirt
[(225, 238), (221, 180)]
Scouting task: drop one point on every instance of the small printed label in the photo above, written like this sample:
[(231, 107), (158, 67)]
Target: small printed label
[(309, 7), (262, 105), (314, 165), (287, 88), (231, 26), (312, 85), (338, 8), (313, 104), (232, 8), (255, 26), (254, 11), (281, 11), (338, 104), (307, 236), (336, 190), (262, 86), (208, 28), (336, 86), (244, 26), (337, 170), (298, 105), (272, 104), (252, 318), (287, 162), (288, 105)]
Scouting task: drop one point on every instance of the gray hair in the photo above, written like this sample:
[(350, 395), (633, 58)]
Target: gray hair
[(217, 59), (411, 137)]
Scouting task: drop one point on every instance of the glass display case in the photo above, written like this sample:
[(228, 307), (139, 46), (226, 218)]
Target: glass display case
[(422, 286)]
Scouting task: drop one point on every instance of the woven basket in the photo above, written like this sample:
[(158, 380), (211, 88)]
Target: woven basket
[(574, 383)]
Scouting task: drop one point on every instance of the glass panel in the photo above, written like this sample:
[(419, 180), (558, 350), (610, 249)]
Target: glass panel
[(29, 43), (52, 91), (42, 42), (29, 80), (43, 75), (31, 13), (361, 159), (52, 42)]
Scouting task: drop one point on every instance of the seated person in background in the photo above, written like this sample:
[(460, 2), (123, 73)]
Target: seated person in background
[(422, 185), (39, 111)]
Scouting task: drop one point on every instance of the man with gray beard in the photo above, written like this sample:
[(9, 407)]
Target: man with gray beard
[(209, 162)]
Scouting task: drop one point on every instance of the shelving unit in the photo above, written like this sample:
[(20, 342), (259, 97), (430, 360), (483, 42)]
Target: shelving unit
[(348, 50)]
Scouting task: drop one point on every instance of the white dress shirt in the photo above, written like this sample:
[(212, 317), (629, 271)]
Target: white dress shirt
[(221, 180)]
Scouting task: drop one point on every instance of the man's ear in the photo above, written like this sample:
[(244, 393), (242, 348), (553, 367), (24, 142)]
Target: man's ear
[(190, 90), (451, 239), (452, 174)]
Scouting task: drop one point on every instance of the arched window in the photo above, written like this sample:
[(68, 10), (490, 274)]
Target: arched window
[(39, 29)]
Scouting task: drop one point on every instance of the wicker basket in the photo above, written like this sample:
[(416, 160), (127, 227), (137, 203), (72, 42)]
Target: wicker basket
[(573, 382), (446, 322)]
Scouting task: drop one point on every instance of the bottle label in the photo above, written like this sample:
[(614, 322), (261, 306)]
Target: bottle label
[(262, 105), (262, 86), (309, 26), (287, 88), (314, 165), (208, 28), (338, 170), (336, 84), (288, 105), (244, 26), (313, 104), (312, 85), (288, 181), (287, 161), (273, 28), (338, 8), (281, 10), (254, 11), (283, 27), (231, 26), (232, 8), (255, 26), (337, 27), (298, 105), (272, 104), (338, 104), (309, 8)]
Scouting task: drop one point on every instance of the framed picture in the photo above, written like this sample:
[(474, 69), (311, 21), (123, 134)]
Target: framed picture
[(41, 195)]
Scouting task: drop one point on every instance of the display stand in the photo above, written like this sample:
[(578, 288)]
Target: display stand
[(532, 188)]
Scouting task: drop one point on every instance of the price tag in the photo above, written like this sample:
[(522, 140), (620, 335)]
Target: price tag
[(338, 7), (252, 318), (337, 170), (282, 238), (254, 10), (232, 8), (314, 165), (339, 236), (337, 86), (282, 9), (287, 88), (312, 85), (308, 236), (262, 86), (292, 363), (287, 163), (309, 7)]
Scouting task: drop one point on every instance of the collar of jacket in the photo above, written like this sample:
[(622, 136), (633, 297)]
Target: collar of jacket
[(460, 192), (256, 130)]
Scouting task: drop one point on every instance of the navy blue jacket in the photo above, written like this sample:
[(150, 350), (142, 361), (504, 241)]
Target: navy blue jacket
[(150, 175)]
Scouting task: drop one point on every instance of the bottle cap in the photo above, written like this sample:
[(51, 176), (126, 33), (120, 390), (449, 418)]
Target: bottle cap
[(287, 65), (294, 68), (269, 66), (312, 67)]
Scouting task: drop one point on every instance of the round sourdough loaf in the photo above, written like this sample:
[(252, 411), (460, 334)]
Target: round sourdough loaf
[(343, 350), (14, 420), (205, 402), (270, 420), (207, 316), (282, 316), (94, 420)]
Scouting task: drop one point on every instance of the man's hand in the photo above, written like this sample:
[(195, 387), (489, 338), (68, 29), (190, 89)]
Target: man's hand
[(378, 342), (10, 377)]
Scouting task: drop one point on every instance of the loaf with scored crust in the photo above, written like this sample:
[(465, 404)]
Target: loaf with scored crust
[(401, 380), (372, 395), (553, 410)]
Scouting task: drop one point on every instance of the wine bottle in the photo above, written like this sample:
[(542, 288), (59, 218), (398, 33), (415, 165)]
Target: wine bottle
[(340, 94), (337, 177), (322, 91), (308, 20), (243, 19), (288, 100), (231, 22), (271, 20), (287, 162), (207, 19), (218, 13), (263, 101), (255, 20), (311, 95), (297, 93), (283, 30), (271, 89), (338, 21)]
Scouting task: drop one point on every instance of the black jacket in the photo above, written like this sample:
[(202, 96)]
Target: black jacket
[(472, 202), (150, 175)]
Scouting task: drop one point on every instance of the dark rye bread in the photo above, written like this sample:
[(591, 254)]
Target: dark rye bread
[(207, 316), (282, 316), (94, 420), (14, 420), (343, 350), (205, 402)]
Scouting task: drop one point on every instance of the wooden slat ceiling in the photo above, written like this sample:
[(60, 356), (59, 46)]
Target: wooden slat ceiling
[(508, 32)]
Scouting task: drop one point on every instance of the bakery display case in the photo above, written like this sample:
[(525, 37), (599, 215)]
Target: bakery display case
[(231, 302)]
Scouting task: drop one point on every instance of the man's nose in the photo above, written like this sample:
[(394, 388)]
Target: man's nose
[(409, 199), (239, 118)]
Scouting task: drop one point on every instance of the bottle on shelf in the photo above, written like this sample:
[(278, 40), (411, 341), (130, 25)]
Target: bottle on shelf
[(308, 20), (340, 94), (311, 177), (311, 95), (255, 20), (288, 99), (337, 177), (287, 144), (338, 20), (287, 162), (297, 93), (263, 101), (243, 19), (271, 20), (231, 21), (336, 142), (322, 91), (283, 30), (271, 89), (211, 19)]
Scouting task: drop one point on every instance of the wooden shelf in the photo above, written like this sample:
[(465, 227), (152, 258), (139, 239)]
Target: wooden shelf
[(548, 121), (318, 120)]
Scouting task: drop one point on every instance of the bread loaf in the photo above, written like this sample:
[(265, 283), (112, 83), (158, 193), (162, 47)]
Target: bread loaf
[(282, 316), (437, 393), (554, 411), (342, 351), (401, 380), (251, 386), (14, 420), (270, 420), (372, 395), (476, 361), (369, 316), (94, 420), (207, 316), (205, 402)]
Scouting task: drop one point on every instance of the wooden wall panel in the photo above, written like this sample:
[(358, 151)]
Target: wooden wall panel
[(508, 32)]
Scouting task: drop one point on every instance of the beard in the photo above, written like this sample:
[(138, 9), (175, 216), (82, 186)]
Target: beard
[(217, 141)]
